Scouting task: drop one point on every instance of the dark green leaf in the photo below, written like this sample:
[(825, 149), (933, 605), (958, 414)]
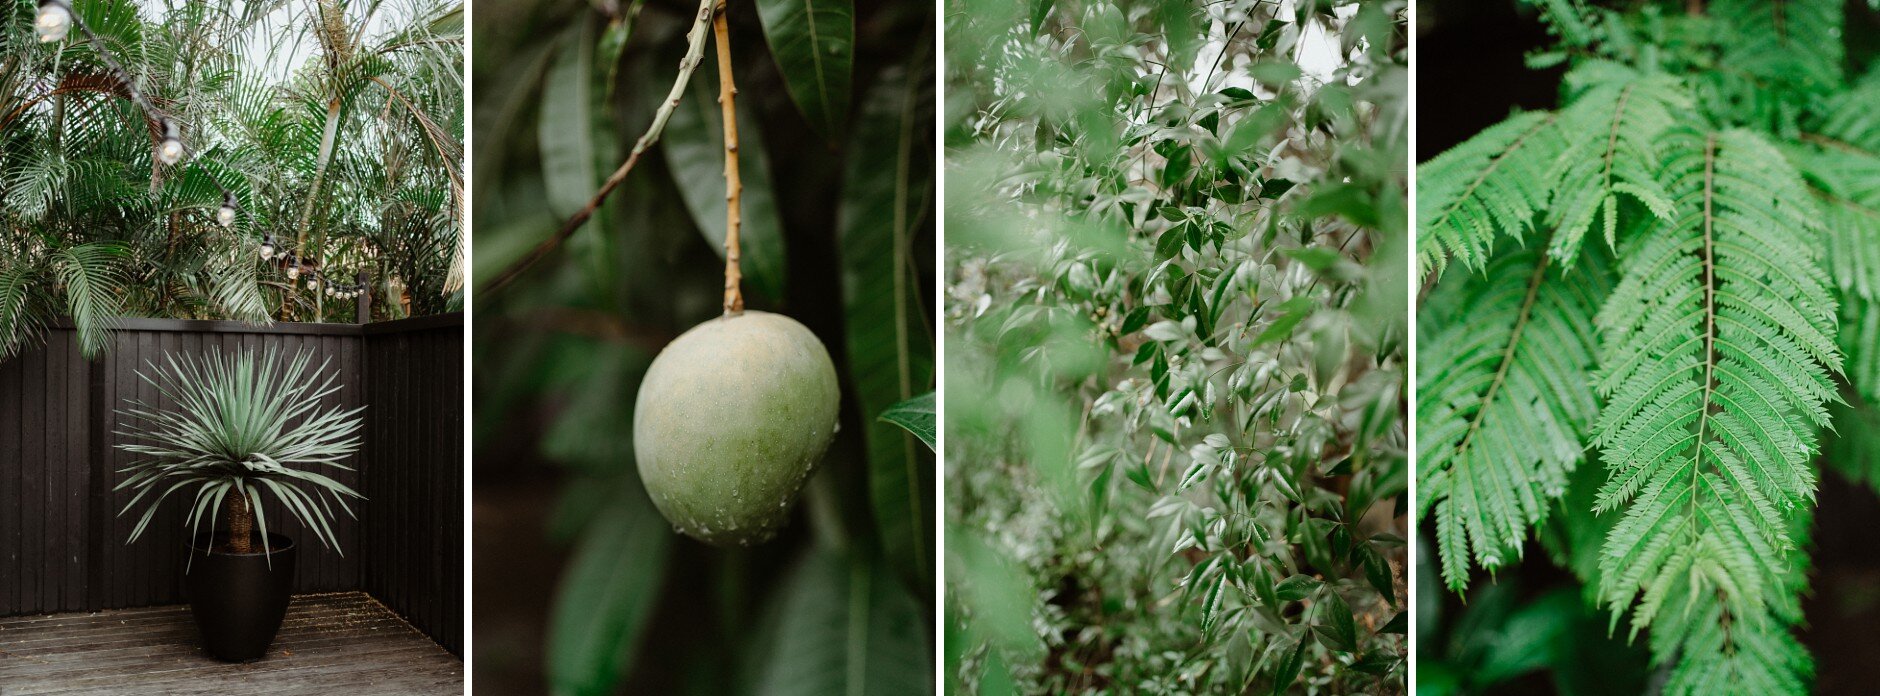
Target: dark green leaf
[(813, 42), (1398, 624), (1295, 588), (1040, 11), (1274, 188), (1291, 312), (916, 415), (1337, 619), (606, 597), (1169, 245), (694, 143), (577, 142), (846, 628), (1288, 669), (887, 196)]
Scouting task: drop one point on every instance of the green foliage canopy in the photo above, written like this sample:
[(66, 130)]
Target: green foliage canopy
[(1176, 241)]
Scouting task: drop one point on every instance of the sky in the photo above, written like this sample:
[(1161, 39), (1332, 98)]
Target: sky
[(279, 25)]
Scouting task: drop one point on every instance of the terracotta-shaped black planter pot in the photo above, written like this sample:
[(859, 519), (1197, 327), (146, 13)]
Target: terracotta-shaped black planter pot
[(239, 599)]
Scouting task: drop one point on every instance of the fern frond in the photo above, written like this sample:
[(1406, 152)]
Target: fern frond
[(1613, 124), (1852, 119), (1841, 160), (1494, 184), (1792, 43), (1716, 354), (1717, 653), (1506, 402), (1860, 344)]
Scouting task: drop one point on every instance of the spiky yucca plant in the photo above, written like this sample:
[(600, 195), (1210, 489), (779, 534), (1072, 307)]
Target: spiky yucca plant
[(244, 428), (1630, 316)]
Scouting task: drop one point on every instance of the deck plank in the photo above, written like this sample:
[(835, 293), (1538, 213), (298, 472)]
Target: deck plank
[(337, 643)]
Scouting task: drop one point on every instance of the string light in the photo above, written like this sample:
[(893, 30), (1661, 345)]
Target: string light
[(54, 21), (293, 272), (226, 214), (171, 150), (267, 247)]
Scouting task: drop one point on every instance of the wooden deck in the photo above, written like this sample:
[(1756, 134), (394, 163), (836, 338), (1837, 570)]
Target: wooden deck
[(331, 644)]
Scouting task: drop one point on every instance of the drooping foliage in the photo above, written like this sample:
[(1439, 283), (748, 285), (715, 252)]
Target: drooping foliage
[(1176, 255), (1509, 390), (1722, 157), (336, 129)]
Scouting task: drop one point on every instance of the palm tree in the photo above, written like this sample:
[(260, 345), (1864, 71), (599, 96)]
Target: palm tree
[(334, 128)]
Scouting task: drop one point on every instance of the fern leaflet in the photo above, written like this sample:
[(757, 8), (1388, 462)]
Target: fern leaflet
[(1493, 184), (1793, 43), (1614, 122), (1506, 402)]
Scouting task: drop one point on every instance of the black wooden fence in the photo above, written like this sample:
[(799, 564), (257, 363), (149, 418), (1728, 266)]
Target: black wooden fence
[(62, 541)]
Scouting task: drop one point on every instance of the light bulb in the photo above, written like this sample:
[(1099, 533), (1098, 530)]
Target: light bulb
[(293, 272), (171, 150), (225, 215), (313, 283), (267, 251), (54, 21)]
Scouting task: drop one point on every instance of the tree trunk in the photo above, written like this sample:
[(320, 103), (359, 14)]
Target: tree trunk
[(241, 522)]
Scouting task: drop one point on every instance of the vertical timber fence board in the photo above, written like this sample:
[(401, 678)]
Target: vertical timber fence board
[(414, 431), (62, 538)]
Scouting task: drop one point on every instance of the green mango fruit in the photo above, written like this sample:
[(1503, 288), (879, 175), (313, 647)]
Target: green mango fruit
[(731, 419)]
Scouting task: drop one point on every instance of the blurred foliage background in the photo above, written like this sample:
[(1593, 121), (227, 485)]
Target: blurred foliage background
[(581, 587), (1531, 627), (336, 126), (1175, 324)]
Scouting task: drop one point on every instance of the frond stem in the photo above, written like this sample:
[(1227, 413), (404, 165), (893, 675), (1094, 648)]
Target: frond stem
[(1612, 139), (1507, 352), (1710, 319)]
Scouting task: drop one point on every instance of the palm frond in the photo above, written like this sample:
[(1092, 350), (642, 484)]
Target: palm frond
[(92, 281)]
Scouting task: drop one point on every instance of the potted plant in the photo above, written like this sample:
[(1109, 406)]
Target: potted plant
[(243, 430)]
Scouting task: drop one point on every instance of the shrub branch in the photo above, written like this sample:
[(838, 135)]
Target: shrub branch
[(734, 186), (694, 52)]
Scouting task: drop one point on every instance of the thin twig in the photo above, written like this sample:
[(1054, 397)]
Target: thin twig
[(734, 186), (694, 52)]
